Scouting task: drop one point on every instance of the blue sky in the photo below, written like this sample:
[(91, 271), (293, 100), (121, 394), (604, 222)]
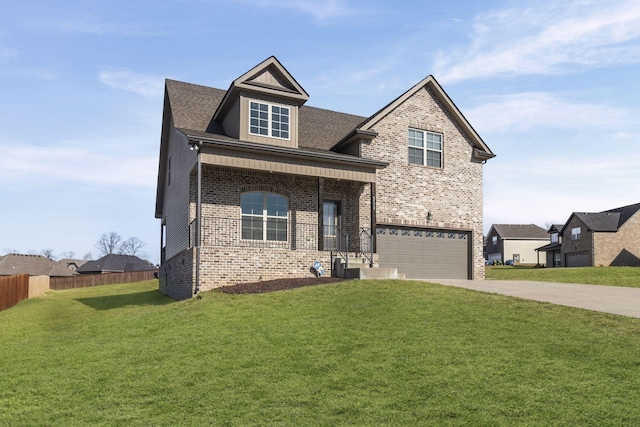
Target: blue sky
[(551, 86)]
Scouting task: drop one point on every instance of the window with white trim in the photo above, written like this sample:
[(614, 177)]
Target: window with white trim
[(264, 216), (425, 148), (575, 233), (268, 120), (554, 237), (494, 240)]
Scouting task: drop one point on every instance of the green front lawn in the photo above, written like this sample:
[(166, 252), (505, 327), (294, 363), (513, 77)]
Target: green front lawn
[(353, 353), (607, 276)]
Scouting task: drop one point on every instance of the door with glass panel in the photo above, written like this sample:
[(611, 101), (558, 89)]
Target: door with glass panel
[(331, 225)]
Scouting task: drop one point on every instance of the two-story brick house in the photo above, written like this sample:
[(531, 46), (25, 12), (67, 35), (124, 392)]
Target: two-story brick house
[(608, 238), (253, 184)]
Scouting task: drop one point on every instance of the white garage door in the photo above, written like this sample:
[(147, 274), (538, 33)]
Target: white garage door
[(424, 253)]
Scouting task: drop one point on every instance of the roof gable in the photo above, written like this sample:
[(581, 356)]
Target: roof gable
[(481, 150), (267, 78)]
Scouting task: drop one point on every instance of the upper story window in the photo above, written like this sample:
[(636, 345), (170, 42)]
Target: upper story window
[(575, 233), (554, 237), (264, 216), (268, 120), (425, 148), (494, 240)]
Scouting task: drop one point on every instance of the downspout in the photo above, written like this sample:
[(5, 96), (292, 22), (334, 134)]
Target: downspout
[(197, 145)]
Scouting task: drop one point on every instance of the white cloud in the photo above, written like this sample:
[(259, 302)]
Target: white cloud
[(544, 110), (142, 84), (23, 162), (545, 39)]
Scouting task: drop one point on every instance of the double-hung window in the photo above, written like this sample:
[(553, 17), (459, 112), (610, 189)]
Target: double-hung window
[(575, 233), (264, 216), (268, 120), (425, 148)]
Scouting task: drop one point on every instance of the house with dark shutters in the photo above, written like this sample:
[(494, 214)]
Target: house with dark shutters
[(254, 184)]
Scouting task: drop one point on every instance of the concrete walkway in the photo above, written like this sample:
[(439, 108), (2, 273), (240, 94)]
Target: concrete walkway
[(607, 299)]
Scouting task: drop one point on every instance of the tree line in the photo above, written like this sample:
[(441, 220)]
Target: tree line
[(108, 243)]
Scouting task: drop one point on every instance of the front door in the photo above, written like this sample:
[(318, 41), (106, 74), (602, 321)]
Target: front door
[(331, 224)]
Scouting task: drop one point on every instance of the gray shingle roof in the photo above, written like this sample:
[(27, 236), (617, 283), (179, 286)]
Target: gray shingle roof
[(193, 106), (610, 220), (520, 231), (116, 263), (33, 265)]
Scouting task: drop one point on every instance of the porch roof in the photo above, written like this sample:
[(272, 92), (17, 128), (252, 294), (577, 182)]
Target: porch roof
[(228, 152)]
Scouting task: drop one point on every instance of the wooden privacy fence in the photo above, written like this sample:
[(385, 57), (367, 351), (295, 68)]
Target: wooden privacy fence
[(88, 280), (13, 289)]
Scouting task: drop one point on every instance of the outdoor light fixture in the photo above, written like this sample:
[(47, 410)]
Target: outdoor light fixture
[(429, 216)]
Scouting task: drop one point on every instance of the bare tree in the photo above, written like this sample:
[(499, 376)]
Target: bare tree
[(47, 252), (32, 252), (87, 257), (132, 246), (68, 255), (10, 251), (109, 243)]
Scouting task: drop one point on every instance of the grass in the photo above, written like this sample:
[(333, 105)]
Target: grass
[(354, 353), (606, 276)]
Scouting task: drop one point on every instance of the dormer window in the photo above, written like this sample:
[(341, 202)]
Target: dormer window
[(268, 120), (554, 237)]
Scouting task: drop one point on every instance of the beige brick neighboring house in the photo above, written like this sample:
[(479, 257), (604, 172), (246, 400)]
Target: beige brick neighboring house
[(609, 238), (253, 184), (517, 243)]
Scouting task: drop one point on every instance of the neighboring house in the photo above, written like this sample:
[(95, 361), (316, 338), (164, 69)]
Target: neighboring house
[(609, 238), (33, 265), (516, 242), (277, 185), (553, 249), (114, 263), (72, 264)]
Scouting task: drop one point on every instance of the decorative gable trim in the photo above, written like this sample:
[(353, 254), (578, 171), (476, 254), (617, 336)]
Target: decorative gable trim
[(481, 150), (268, 78)]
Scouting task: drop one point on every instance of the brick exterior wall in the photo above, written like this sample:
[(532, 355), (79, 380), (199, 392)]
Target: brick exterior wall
[(406, 192), (584, 244), (224, 263), (619, 248), (176, 276)]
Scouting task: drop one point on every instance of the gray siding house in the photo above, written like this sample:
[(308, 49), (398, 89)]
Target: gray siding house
[(516, 242), (253, 184)]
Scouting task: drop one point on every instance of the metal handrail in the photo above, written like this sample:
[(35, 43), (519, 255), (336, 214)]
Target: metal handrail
[(366, 245), (343, 250)]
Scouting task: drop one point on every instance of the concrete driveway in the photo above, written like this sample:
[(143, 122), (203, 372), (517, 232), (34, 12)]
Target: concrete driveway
[(607, 299)]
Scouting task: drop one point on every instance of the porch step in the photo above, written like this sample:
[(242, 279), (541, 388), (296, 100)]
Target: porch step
[(372, 273)]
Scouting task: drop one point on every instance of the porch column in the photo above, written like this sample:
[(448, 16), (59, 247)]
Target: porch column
[(320, 213), (374, 234)]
